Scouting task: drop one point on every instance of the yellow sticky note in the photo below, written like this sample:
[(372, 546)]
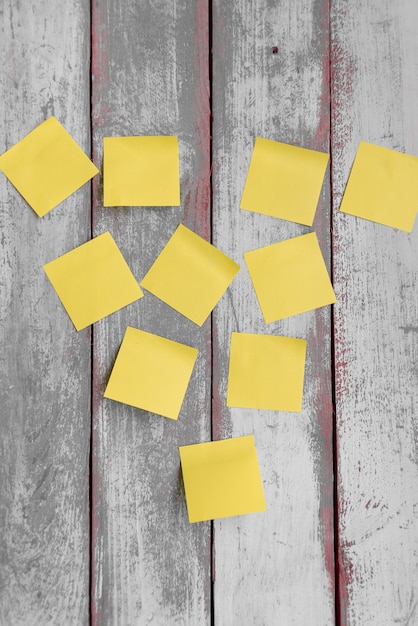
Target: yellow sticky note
[(47, 166), (93, 281), (221, 479), (190, 275), (290, 277), (151, 373), (383, 187), (284, 181), (141, 171), (266, 372)]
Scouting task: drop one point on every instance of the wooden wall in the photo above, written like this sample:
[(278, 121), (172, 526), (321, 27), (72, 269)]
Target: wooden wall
[(93, 520), (374, 64)]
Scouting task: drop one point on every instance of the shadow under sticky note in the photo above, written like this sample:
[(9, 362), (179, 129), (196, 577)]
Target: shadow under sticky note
[(47, 166), (290, 277), (151, 373), (93, 281), (141, 171), (383, 187), (222, 479), (266, 372), (190, 275), (284, 181)]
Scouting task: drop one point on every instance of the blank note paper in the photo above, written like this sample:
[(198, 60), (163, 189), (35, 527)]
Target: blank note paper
[(93, 281), (284, 181), (190, 275), (47, 166), (151, 373), (290, 277), (383, 187), (221, 479), (266, 372), (141, 171)]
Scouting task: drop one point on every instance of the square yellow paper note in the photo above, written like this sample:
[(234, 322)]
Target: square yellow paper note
[(141, 171), (47, 166), (284, 181), (221, 479), (190, 275), (266, 372), (93, 281), (383, 187), (290, 277), (151, 373)]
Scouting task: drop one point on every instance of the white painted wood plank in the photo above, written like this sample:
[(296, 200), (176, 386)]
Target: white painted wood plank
[(275, 567), (150, 76), (375, 87), (44, 362)]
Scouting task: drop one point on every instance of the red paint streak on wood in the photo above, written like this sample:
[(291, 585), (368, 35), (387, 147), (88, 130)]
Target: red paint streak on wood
[(320, 337), (322, 135), (327, 524), (97, 393), (197, 203), (345, 568), (99, 60), (318, 340), (99, 65), (220, 414), (102, 109), (338, 116), (99, 69), (325, 422), (217, 408), (341, 84)]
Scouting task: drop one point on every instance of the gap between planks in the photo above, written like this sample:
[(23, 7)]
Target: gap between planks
[(334, 436)]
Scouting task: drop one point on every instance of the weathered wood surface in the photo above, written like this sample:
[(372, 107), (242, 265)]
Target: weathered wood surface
[(44, 363), (375, 87), (150, 76), (275, 567)]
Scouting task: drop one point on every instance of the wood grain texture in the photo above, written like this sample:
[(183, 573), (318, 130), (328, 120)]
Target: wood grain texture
[(275, 567), (150, 76), (375, 87), (44, 362), (270, 78)]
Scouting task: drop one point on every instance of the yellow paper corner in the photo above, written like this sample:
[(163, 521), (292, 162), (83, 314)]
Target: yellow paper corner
[(141, 171), (93, 281), (222, 479), (284, 181), (266, 372), (47, 166), (190, 275), (151, 373), (382, 187), (290, 277)]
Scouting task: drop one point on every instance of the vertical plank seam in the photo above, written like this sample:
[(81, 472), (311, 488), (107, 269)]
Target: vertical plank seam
[(333, 356), (91, 547), (210, 71)]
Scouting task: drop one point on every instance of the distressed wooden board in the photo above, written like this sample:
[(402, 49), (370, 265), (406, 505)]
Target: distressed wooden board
[(44, 362), (375, 87), (274, 567), (150, 76)]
